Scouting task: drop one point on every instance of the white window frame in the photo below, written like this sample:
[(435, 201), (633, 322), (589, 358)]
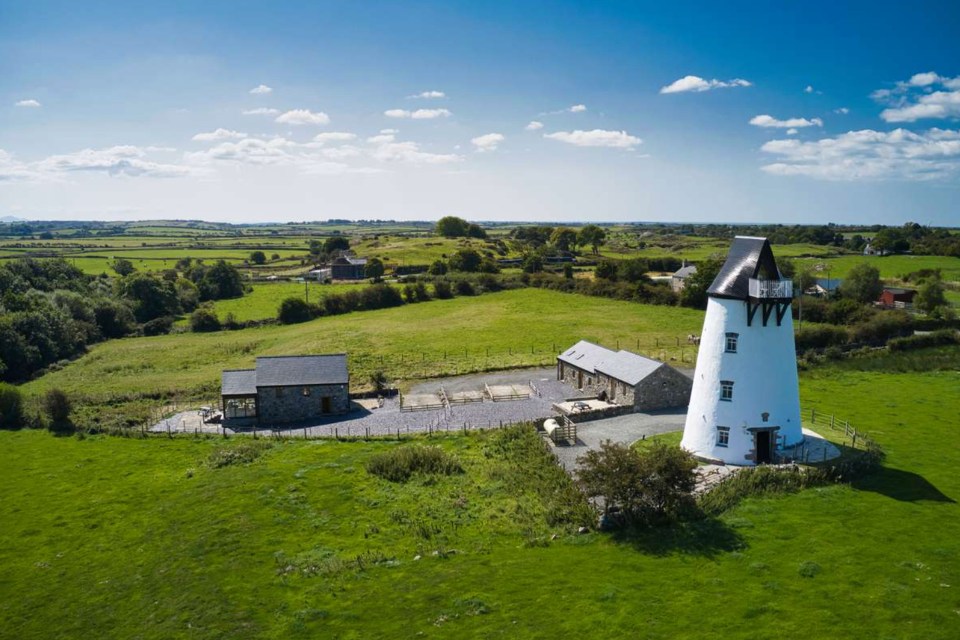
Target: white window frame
[(726, 390), (733, 338), (723, 436)]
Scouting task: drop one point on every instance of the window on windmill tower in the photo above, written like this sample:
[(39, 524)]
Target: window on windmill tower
[(731, 345), (726, 390), (723, 436)]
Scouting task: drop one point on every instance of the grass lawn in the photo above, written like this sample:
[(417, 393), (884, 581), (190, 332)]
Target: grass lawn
[(264, 301), (119, 538)]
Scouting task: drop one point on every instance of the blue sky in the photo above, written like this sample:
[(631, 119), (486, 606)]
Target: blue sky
[(579, 111)]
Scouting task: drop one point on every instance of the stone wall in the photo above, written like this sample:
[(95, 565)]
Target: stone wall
[(277, 405), (663, 389)]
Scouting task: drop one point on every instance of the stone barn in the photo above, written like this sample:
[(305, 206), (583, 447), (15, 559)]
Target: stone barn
[(284, 389), (623, 377)]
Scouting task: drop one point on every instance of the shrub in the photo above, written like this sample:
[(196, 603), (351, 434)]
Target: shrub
[(442, 290), (204, 319), (11, 407), (294, 310), (935, 339), (244, 453), (464, 288), (400, 464), (646, 486), (158, 326), (57, 406), (820, 337)]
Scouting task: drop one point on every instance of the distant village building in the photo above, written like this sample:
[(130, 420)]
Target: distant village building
[(824, 287), (679, 279), (348, 268), (897, 298), (322, 275), (623, 377), (869, 250), (745, 402), (283, 389)]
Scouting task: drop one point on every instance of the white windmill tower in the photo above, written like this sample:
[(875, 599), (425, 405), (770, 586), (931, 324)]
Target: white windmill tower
[(745, 402)]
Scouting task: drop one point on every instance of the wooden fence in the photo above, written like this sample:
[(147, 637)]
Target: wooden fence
[(852, 436)]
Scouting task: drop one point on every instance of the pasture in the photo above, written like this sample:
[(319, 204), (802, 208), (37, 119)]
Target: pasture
[(118, 538)]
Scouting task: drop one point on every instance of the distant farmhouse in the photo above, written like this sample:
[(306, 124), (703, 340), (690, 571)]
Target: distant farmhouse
[(348, 268), (896, 298), (679, 279), (283, 389), (623, 377)]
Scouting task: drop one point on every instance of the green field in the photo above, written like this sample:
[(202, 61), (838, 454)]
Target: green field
[(403, 250), (889, 266), (265, 298), (118, 538)]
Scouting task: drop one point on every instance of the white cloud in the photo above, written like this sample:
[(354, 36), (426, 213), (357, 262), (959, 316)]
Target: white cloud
[(924, 95), (427, 95), (809, 89), (792, 132), (870, 155), (303, 116), (389, 131), (219, 134), (382, 138), (30, 104), (842, 111), (697, 84), (12, 169), (790, 123), (334, 136), (260, 90), (341, 153), (419, 114), (123, 160), (534, 125), (923, 79), (577, 108), (248, 151), (487, 142), (261, 111), (596, 138), (409, 152)]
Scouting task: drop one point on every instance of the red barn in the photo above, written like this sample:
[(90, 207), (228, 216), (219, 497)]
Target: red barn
[(896, 297)]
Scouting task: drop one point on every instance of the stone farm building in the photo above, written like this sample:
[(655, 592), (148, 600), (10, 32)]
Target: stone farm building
[(348, 268), (623, 377), (283, 389)]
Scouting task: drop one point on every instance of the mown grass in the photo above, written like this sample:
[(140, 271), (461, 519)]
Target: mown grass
[(264, 299), (110, 537)]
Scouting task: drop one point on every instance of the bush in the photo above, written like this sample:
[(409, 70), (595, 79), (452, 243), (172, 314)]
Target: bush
[(464, 288), (935, 339), (820, 337), (294, 310), (11, 407), (400, 464), (647, 486), (244, 453), (204, 319), (57, 407), (158, 326), (442, 290)]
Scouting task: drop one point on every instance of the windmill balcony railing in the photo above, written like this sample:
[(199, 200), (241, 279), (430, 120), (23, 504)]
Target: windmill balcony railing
[(776, 289)]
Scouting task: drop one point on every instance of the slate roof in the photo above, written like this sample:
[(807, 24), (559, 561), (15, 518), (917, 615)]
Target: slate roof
[(238, 382), (685, 272), (289, 371), (345, 260), (625, 366), (628, 367), (747, 258), (585, 355)]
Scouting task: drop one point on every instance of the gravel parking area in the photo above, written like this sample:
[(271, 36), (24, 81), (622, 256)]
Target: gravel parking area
[(624, 429)]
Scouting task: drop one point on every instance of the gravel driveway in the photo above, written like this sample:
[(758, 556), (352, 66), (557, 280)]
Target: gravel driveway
[(625, 429)]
